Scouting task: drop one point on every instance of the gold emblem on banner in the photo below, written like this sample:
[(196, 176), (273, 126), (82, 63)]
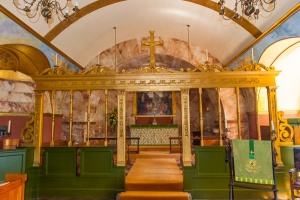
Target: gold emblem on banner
[(251, 166)]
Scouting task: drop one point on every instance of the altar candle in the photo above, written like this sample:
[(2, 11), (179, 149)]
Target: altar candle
[(9, 125), (206, 55), (226, 124), (252, 54), (98, 59), (272, 125)]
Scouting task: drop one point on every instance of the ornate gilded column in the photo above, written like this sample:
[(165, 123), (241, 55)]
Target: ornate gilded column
[(201, 117), (238, 110), (220, 117), (256, 114), (121, 134), (88, 118), (186, 136), (106, 116), (71, 119), (38, 126), (273, 116), (53, 96)]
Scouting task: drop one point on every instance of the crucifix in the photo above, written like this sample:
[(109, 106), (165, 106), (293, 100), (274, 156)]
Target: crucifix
[(152, 44)]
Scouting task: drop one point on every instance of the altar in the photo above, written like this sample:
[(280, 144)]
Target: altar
[(151, 134)]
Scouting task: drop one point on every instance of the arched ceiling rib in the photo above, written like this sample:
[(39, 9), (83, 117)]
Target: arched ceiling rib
[(100, 4), (82, 12), (82, 37), (276, 52)]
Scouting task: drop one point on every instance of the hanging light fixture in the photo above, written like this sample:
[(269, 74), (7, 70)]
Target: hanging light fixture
[(47, 8), (188, 32), (250, 8), (115, 48)]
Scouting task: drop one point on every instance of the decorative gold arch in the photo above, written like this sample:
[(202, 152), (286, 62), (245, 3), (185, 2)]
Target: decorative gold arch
[(23, 58)]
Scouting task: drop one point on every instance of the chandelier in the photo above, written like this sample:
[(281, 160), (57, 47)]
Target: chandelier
[(47, 8), (250, 8)]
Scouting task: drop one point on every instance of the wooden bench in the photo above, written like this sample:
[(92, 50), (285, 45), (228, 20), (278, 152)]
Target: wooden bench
[(14, 187)]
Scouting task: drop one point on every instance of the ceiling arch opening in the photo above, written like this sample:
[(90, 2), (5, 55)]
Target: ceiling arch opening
[(284, 56)]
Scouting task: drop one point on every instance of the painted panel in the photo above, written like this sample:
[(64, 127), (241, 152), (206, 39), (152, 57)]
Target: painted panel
[(12, 161), (60, 161), (96, 161)]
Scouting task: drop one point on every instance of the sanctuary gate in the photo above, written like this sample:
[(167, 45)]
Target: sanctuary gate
[(152, 78)]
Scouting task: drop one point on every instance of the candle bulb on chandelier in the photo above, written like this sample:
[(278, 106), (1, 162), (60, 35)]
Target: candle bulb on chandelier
[(56, 59)]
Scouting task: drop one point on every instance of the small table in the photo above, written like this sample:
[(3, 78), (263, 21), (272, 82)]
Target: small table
[(175, 138), (179, 138), (138, 143)]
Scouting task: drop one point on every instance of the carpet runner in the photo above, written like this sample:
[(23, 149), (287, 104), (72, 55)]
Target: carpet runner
[(155, 178)]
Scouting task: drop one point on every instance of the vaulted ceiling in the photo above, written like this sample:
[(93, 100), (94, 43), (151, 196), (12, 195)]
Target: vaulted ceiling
[(91, 31)]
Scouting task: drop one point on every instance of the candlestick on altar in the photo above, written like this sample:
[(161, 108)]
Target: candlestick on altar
[(206, 55), (252, 54), (9, 126), (272, 125)]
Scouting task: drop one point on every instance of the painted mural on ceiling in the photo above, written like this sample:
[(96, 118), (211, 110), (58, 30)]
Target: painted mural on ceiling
[(290, 28), (12, 33)]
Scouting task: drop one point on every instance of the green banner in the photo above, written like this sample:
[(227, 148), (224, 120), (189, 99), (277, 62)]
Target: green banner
[(253, 161)]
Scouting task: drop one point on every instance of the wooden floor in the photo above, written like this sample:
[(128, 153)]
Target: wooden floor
[(155, 174)]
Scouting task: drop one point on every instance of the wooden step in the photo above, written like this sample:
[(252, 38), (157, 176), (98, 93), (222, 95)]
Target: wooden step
[(156, 148), (154, 175), (153, 195), (150, 155)]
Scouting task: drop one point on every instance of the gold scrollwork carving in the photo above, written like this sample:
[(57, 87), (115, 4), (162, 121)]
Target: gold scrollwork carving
[(152, 68), (254, 67), (97, 70), (207, 67), (57, 71), (28, 130), (8, 60), (286, 131)]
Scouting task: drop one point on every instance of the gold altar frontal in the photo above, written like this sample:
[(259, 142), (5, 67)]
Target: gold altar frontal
[(154, 134)]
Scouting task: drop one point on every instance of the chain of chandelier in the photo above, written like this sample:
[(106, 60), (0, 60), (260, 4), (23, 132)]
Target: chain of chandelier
[(249, 8), (47, 8)]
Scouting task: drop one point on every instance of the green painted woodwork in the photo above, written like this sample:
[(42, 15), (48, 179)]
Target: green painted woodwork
[(80, 172), (15, 161), (19, 160), (97, 177), (89, 167), (294, 121), (59, 161), (287, 155), (209, 178), (141, 126)]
